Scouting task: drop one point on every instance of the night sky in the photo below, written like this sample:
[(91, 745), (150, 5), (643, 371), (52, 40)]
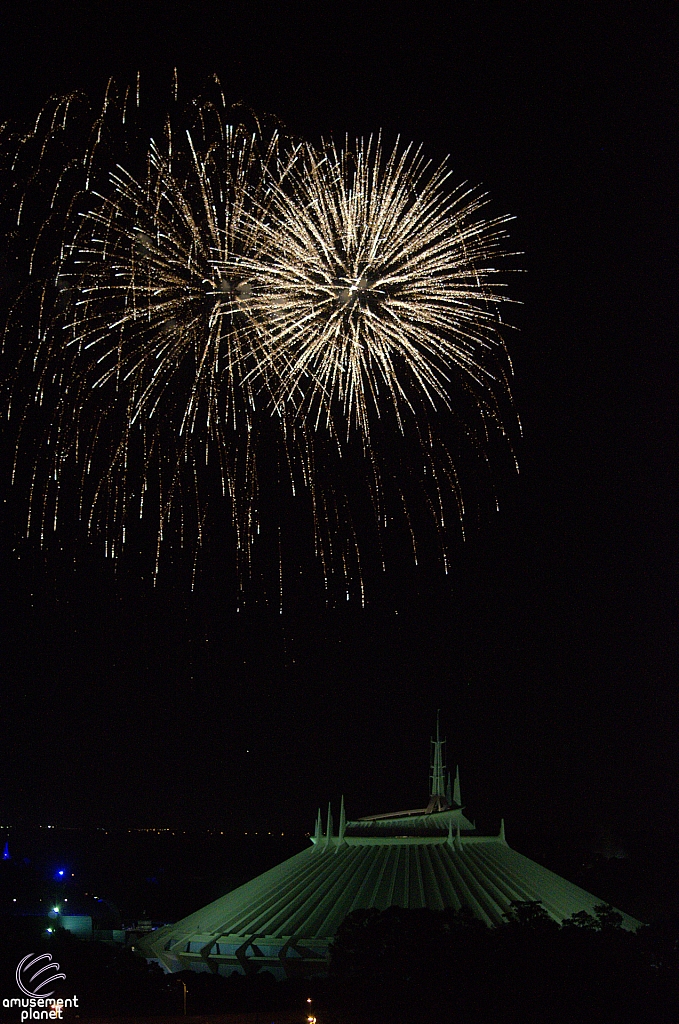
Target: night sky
[(551, 646)]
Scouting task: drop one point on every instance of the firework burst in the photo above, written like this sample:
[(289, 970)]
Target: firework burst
[(240, 295), (154, 349), (374, 287), (144, 344)]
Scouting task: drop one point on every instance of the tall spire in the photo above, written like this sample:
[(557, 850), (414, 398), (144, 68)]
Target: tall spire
[(438, 786), (437, 793)]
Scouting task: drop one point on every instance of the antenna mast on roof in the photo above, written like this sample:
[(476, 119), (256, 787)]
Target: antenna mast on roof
[(437, 795)]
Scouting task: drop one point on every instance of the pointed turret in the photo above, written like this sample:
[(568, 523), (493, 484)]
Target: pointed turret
[(342, 826), (317, 832), (501, 836), (328, 834), (449, 792), (457, 797)]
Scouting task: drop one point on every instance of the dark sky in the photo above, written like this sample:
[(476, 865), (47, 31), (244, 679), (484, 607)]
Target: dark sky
[(551, 647)]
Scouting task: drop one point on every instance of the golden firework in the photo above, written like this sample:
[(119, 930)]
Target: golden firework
[(374, 284), (241, 294)]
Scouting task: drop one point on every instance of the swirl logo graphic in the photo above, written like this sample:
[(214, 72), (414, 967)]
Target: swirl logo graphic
[(33, 973)]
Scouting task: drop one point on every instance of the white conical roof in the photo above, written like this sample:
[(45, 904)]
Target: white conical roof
[(284, 919), (301, 902)]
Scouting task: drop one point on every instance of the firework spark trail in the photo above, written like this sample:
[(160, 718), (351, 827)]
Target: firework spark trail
[(151, 347), (247, 291), (180, 350)]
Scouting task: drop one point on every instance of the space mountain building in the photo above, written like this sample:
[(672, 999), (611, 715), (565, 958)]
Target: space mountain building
[(284, 920)]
